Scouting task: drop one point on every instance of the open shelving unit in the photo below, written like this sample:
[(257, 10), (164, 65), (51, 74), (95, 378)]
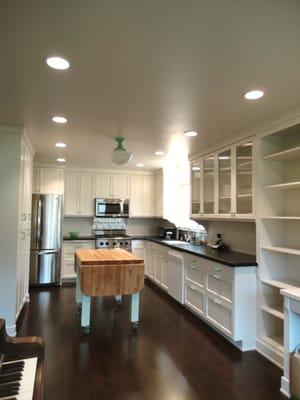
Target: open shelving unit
[(279, 232)]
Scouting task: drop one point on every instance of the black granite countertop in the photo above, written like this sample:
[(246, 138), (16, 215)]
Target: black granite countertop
[(80, 237), (228, 257)]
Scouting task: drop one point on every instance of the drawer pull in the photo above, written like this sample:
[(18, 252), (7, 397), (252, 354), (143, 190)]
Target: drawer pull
[(217, 301), (193, 288), (217, 276), (217, 268), (193, 267)]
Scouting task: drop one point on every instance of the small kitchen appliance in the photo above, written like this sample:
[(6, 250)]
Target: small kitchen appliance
[(112, 208), (166, 232)]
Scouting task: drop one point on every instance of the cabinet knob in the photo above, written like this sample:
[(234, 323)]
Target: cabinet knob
[(217, 276)]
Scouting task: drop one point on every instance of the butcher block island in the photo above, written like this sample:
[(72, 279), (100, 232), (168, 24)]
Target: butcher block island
[(108, 272)]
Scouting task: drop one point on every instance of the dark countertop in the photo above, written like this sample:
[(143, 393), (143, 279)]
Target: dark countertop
[(227, 257), (80, 237)]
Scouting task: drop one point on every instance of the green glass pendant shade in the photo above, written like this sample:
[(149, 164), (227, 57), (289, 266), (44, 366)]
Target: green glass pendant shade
[(119, 141)]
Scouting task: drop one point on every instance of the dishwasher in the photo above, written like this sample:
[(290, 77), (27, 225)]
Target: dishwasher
[(175, 275)]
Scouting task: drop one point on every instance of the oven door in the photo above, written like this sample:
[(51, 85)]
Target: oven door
[(108, 208)]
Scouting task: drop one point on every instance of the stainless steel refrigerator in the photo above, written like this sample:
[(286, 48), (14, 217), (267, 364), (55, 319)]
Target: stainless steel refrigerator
[(46, 239)]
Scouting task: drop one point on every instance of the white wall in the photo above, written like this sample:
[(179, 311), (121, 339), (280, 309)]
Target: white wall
[(240, 236), (10, 163), (135, 226)]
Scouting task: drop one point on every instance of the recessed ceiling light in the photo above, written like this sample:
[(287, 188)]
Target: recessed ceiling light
[(58, 63), (159, 153), (190, 133), (59, 119), (61, 145), (140, 165), (61, 159), (254, 94)]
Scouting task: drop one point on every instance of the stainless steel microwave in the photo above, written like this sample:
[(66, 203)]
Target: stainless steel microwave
[(112, 208)]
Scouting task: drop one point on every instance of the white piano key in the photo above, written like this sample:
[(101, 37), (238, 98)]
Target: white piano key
[(27, 380)]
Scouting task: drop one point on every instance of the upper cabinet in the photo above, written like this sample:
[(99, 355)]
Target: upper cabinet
[(142, 196), (79, 196), (209, 177), (222, 183), (114, 186), (159, 194), (48, 180)]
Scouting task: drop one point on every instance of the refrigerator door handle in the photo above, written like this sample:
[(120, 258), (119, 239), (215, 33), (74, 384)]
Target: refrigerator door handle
[(39, 216), (43, 252)]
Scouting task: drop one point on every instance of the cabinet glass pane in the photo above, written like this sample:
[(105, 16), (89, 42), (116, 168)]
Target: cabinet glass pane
[(224, 172), (244, 178), (208, 170), (196, 177)]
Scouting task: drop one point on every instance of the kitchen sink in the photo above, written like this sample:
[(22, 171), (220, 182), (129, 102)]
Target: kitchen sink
[(174, 241)]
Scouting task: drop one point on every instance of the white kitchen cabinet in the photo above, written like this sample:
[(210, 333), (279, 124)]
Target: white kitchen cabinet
[(79, 194), (159, 194), (194, 297), (222, 183), (86, 194), (69, 248), (223, 296), (175, 275), (142, 196), (48, 180), (120, 186), (112, 186), (102, 188)]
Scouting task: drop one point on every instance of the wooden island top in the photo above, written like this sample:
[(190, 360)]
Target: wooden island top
[(107, 257)]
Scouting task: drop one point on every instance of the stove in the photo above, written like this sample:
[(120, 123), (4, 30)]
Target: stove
[(111, 233), (111, 242)]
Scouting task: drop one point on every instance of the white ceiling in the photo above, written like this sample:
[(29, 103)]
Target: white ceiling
[(145, 69)]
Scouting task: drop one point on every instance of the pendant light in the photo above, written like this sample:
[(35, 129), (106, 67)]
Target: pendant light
[(120, 155)]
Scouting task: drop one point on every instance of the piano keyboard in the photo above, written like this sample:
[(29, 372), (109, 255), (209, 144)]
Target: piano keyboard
[(17, 379)]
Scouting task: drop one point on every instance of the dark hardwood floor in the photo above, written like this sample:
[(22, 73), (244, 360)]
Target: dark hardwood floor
[(173, 356)]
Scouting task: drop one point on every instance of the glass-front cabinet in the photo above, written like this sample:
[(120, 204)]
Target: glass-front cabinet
[(222, 183), (225, 183), (244, 179), (196, 190), (209, 185)]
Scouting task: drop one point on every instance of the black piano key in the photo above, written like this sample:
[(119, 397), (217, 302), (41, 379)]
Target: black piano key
[(5, 369), (10, 378), (9, 393), (6, 386)]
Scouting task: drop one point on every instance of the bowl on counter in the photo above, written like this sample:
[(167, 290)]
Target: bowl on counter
[(74, 235)]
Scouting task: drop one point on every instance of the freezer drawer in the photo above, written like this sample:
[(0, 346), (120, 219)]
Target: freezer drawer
[(45, 267)]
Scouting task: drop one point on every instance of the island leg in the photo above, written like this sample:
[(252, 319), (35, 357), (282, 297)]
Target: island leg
[(78, 290), (134, 310), (85, 312)]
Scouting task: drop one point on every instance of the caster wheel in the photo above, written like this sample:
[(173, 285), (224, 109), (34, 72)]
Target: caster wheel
[(86, 330), (134, 325), (78, 310), (120, 302)]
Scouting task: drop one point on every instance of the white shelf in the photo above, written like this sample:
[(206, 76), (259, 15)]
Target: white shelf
[(282, 283), (280, 217), (286, 250), (276, 311), (285, 155), (284, 186), (274, 341)]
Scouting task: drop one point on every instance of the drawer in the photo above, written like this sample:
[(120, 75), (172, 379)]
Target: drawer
[(220, 285), (194, 298), (195, 274), (219, 314), (220, 269)]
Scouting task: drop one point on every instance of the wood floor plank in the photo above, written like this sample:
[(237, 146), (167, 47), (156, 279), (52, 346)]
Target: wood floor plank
[(172, 356)]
